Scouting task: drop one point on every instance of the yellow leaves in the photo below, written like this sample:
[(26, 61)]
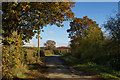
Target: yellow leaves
[(4, 47), (38, 36), (6, 50), (38, 11), (56, 3), (13, 56), (13, 11), (36, 14), (15, 4), (8, 55), (25, 6), (28, 15), (40, 8), (0, 37), (6, 70)]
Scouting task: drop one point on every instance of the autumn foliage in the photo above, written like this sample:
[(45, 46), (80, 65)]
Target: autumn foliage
[(11, 57), (27, 19), (50, 44), (82, 32), (88, 44)]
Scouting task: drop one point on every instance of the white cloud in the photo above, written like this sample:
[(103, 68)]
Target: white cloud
[(51, 33), (34, 42), (61, 44)]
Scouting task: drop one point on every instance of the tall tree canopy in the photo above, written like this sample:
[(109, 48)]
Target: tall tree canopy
[(28, 17), (81, 28), (85, 37)]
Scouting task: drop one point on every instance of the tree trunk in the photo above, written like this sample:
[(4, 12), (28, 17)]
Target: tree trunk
[(38, 47)]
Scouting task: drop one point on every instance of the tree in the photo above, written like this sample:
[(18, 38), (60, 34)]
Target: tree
[(113, 27), (78, 29), (85, 37), (11, 55), (50, 44), (29, 17)]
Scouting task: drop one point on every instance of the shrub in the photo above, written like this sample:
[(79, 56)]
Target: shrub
[(11, 54)]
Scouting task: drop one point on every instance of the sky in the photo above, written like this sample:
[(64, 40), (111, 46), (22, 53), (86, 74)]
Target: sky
[(97, 11)]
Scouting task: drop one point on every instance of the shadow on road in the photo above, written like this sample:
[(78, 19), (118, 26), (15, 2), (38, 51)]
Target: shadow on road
[(58, 70)]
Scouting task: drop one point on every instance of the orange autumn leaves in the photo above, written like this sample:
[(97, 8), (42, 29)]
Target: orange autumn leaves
[(84, 31), (79, 26)]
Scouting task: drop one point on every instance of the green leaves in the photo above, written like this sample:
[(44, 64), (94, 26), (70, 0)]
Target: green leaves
[(19, 22), (86, 37), (24, 21)]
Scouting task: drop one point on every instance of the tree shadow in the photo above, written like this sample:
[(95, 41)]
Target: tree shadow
[(59, 68), (35, 76), (34, 66)]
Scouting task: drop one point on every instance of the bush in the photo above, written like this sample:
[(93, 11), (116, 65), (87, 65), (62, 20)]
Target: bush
[(42, 53), (56, 52), (11, 57)]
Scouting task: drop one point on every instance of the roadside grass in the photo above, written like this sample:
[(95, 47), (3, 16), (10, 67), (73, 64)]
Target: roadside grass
[(19, 71), (48, 52), (104, 72), (34, 67), (34, 70)]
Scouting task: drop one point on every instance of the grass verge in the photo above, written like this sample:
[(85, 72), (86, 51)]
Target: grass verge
[(104, 72), (34, 71)]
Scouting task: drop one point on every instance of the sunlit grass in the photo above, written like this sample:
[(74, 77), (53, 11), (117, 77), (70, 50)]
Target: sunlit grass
[(48, 52), (92, 68)]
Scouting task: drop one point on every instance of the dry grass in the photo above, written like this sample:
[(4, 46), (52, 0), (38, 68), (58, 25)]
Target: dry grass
[(37, 70)]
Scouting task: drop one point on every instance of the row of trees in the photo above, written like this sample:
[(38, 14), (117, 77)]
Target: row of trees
[(24, 20), (89, 44)]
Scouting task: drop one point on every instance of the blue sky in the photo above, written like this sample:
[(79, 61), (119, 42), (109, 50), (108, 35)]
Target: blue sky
[(97, 11)]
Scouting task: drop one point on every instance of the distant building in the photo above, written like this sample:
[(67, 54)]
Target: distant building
[(119, 7)]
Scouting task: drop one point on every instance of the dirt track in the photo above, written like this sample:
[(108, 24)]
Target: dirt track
[(57, 70)]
